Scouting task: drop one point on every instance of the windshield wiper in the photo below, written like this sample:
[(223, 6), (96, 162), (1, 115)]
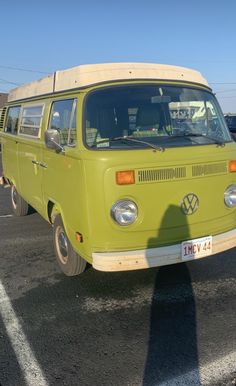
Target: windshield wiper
[(131, 139)]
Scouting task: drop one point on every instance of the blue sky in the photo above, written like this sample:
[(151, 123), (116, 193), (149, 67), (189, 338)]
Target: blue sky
[(45, 36)]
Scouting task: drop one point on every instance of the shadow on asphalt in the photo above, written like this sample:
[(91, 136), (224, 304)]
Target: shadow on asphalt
[(172, 347)]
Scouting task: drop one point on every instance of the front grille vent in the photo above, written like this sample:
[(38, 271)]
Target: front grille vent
[(155, 175), (206, 170), (2, 116)]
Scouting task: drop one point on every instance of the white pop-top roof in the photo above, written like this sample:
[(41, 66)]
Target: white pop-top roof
[(91, 74)]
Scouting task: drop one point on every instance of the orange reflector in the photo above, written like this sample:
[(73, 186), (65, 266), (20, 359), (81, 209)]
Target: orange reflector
[(232, 166), (125, 177), (79, 237)]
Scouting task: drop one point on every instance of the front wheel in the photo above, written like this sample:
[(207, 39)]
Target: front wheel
[(19, 206), (69, 261)]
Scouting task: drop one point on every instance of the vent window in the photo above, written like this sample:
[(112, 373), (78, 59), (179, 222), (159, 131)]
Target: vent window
[(2, 116), (31, 120), (63, 119)]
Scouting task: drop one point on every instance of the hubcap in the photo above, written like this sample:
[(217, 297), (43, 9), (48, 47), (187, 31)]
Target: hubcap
[(14, 196), (62, 245)]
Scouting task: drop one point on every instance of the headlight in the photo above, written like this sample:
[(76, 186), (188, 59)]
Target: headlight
[(124, 212), (230, 196)]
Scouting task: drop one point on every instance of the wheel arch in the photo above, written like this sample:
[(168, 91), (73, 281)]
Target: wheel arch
[(53, 209)]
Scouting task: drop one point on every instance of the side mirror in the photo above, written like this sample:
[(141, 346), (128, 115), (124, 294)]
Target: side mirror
[(52, 140)]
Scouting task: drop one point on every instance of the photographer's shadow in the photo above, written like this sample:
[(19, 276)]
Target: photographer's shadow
[(172, 348)]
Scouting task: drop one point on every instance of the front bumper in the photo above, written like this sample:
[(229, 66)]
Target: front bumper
[(155, 257)]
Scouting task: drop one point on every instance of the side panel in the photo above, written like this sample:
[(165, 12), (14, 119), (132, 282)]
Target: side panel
[(63, 185), (30, 153), (30, 171), (9, 158)]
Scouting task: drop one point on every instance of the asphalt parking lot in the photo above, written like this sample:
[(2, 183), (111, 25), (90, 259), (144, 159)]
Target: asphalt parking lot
[(174, 325)]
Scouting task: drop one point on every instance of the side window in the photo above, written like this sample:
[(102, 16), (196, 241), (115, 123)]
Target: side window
[(31, 120), (12, 120), (63, 119)]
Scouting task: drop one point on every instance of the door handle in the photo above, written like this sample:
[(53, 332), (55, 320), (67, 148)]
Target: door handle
[(43, 165)]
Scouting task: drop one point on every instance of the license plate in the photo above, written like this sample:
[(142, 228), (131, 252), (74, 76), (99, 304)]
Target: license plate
[(194, 249)]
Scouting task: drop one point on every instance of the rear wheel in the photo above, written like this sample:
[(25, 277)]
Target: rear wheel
[(69, 261), (19, 206)]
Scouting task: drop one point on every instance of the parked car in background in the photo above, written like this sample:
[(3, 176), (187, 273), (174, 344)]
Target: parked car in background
[(231, 123)]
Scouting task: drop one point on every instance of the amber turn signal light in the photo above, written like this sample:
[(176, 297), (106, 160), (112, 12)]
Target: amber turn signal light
[(125, 177), (232, 166), (79, 237)]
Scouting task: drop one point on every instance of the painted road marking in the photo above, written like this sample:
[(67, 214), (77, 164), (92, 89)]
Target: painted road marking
[(28, 363), (6, 215)]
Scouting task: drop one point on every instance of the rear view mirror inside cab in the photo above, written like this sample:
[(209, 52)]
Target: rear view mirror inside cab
[(161, 99)]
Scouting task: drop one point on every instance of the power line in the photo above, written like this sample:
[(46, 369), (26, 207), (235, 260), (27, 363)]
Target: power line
[(18, 69), (7, 81), (23, 69)]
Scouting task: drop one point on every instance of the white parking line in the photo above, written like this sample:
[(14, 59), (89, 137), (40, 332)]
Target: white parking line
[(28, 363), (6, 215)]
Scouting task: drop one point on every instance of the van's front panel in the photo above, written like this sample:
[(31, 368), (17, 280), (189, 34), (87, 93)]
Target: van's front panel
[(159, 192), (175, 147)]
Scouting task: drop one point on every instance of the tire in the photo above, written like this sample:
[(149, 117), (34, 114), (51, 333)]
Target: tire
[(69, 261), (19, 206)]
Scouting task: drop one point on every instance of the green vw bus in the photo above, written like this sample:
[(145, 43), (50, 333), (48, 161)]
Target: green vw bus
[(131, 163)]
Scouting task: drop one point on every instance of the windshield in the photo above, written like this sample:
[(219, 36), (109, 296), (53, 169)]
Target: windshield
[(127, 117)]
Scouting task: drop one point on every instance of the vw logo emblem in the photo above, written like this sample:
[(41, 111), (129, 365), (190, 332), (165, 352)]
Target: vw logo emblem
[(190, 204)]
